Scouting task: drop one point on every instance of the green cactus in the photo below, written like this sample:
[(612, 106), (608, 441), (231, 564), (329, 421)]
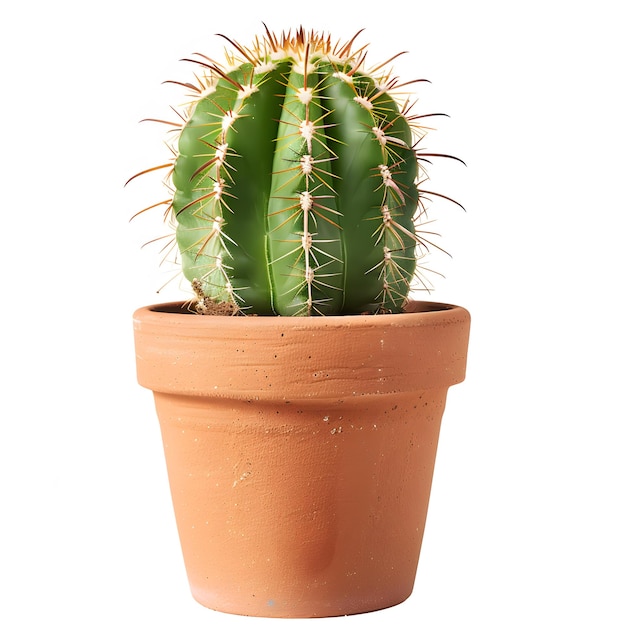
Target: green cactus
[(296, 182)]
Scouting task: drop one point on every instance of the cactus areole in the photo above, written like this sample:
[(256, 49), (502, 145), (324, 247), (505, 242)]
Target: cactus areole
[(296, 181)]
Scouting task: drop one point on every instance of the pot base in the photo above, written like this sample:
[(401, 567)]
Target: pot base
[(271, 608)]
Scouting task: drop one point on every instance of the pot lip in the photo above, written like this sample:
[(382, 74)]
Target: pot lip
[(175, 349), (177, 312)]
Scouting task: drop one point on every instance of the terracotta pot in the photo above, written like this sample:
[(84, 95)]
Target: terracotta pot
[(300, 451)]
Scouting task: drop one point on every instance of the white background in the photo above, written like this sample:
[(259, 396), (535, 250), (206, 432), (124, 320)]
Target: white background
[(527, 518)]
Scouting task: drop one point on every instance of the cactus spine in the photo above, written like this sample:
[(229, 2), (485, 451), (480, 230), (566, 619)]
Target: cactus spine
[(296, 182)]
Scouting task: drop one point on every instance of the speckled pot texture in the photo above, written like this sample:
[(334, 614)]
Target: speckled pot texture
[(300, 451)]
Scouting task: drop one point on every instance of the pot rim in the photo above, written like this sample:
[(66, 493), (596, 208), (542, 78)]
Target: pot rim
[(321, 357), (164, 311)]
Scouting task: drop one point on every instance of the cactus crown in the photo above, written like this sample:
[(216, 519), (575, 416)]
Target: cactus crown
[(296, 181)]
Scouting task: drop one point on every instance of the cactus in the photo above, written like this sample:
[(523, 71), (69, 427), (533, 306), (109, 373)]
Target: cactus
[(296, 181)]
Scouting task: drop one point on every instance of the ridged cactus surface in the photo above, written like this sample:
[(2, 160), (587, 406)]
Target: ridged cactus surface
[(296, 181)]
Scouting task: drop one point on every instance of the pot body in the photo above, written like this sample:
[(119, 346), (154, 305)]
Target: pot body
[(300, 451)]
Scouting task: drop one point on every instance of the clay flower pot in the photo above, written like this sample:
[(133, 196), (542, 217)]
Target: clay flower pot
[(300, 451)]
